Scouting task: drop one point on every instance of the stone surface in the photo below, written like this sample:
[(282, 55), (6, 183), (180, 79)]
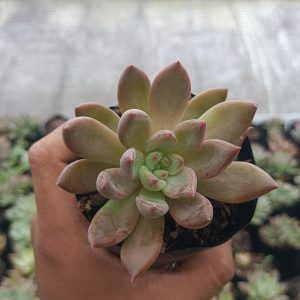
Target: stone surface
[(56, 54)]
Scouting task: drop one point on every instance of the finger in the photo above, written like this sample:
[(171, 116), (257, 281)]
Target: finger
[(213, 267), (55, 207), (201, 276)]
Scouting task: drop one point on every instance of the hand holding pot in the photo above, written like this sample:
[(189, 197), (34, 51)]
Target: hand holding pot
[(68, 268)]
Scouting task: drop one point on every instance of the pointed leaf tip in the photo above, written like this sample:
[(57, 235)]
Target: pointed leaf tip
[(212, 158), (133, 89), (169, 95), (140, 250), (239, 182)]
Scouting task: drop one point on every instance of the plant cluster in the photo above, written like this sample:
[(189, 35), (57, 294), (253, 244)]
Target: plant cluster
[(17, 208)]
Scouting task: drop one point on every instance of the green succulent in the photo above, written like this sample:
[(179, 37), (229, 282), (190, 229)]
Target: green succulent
[(23, 130), (226, 293), (263, 210), (16, 287), (281, 231), (165, 154), (280, 164), (263, 285), (20, 216), (285, 195)]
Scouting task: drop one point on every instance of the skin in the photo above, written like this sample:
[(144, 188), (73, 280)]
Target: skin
[(68, 268)]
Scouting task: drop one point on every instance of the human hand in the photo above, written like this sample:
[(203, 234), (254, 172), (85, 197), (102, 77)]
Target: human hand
[(68, 268)]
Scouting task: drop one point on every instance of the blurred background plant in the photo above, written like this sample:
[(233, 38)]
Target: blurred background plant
[(16, 208)]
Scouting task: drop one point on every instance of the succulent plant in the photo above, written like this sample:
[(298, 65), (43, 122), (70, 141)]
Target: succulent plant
[(280, 164), (281, 232), (165, 154), (284, 196), (17, 287), (226, 293), (263, 285)]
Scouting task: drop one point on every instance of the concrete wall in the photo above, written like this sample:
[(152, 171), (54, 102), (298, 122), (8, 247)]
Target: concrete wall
[(56, 54)]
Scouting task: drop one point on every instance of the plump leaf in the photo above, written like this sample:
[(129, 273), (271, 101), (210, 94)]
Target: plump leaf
[(163, 140), (213, 157), (80, 176), (151, 204), (239, 182), (133, 89), (150, 181), (152, 159), (181, 185), (228, 120), (130, 163), (113, 184), (161, 174), (193, 213), (113, 222), (190, 135), (203, 102), (142, 247), (100, 113), (176, 163), (169, 95), (135, 129), (91, 139)]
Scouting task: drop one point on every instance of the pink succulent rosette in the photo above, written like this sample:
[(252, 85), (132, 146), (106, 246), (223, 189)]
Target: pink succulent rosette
[(165, 154)]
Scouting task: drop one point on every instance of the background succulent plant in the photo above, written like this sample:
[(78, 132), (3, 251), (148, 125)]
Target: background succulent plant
[(165, 153)]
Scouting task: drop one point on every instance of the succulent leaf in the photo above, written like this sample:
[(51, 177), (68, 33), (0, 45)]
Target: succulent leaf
[(213, 157), (135, 129), (161, 174), (181, 185), (228, 120), (239, 182), (150, 181), (190, 135), (80, 176), (113, 184), (203, 102), (176, 164), (90, 139), (152, 159), (100, 113), (133, 89), (113, 222), (169, 95), (142, 247), (162, 140), (241, 139), (151, 204), (193, 213), (130, 163)]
